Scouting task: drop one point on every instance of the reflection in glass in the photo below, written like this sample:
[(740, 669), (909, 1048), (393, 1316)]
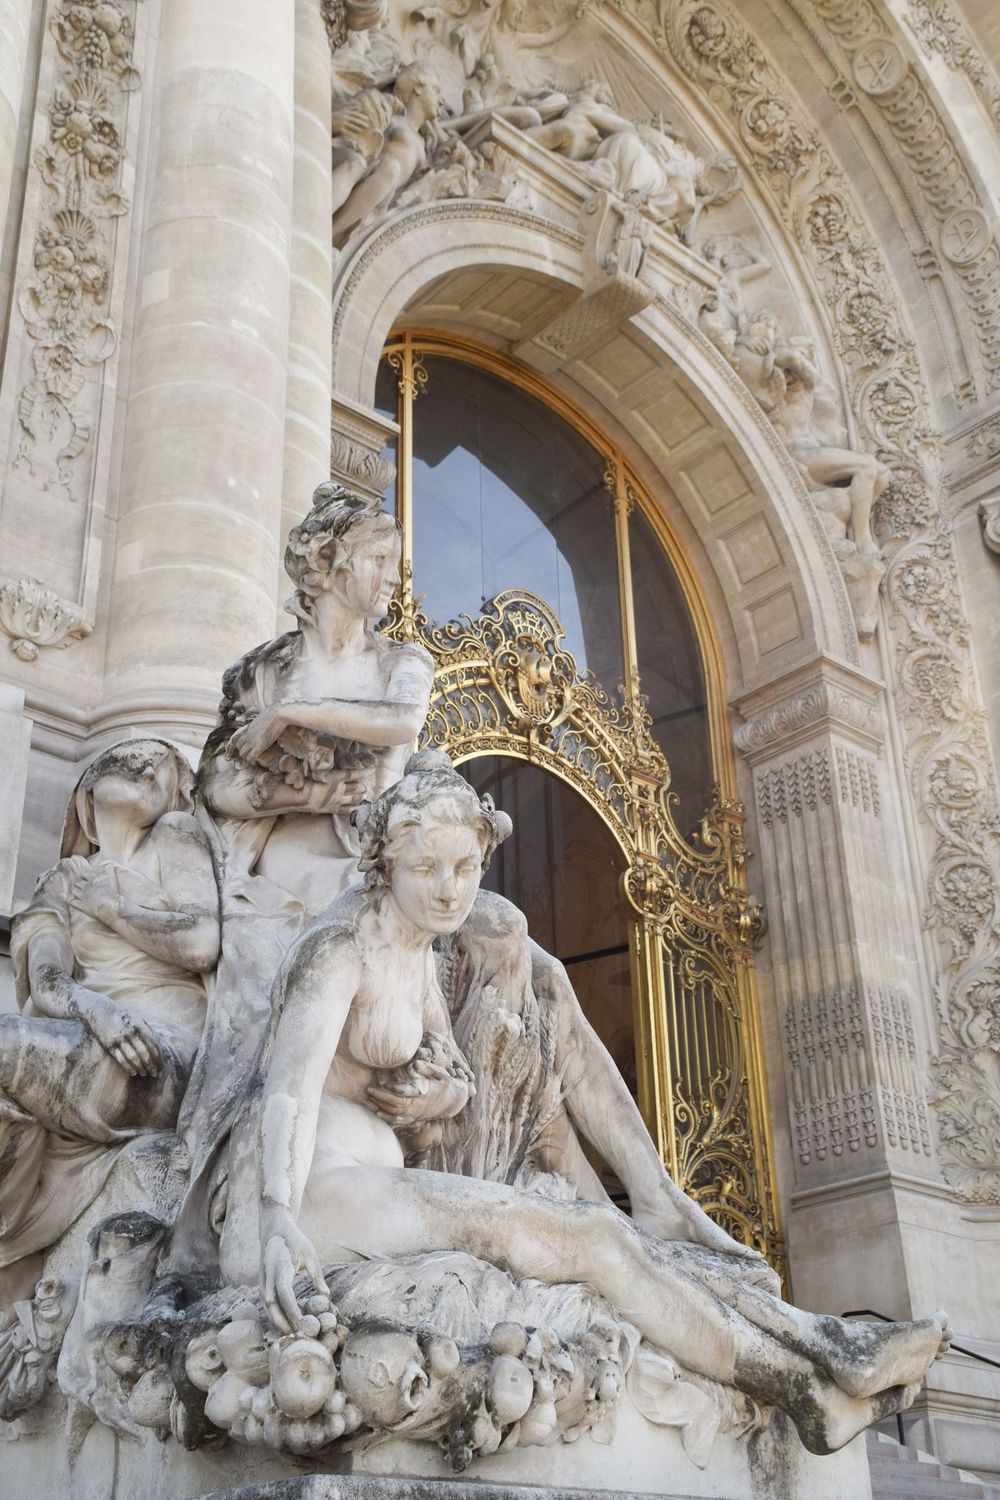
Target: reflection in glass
[(562, 867), (508, 495), (670, 671), (386, 403)]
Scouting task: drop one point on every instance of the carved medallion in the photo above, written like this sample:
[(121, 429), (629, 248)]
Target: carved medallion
[(965, 234), (878, 65)]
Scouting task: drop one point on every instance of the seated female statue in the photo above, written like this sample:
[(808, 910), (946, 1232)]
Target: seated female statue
[(109, 958), (323, 717), (357, 995)]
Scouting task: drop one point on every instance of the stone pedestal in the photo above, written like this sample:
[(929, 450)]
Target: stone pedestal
[(643, 1460)]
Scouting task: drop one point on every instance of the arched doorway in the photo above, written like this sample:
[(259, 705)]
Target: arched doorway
[(569, 636)]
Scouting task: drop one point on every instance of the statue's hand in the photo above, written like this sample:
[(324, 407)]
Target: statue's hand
[(253, 741), (96, 892), (285, 1251), (434, 1094), (126, 1039)]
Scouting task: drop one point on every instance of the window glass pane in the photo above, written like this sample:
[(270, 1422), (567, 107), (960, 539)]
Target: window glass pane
[(386, 393), (670, 671), (508, 495)]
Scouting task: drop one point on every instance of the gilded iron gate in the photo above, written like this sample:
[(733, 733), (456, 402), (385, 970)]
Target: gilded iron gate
[(505, 685)]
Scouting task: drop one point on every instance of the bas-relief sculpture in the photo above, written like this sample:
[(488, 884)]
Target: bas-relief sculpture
[(397, 1230)]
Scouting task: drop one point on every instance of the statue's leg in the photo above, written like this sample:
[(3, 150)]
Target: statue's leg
[(385, 1211), (601, 1106)]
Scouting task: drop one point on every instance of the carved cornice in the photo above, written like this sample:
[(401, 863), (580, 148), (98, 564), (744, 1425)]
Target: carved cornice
[(823, 697), (34, 617)]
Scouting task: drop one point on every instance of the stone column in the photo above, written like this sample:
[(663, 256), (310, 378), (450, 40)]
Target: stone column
[(848, 986), (310, 323), (200, 508)]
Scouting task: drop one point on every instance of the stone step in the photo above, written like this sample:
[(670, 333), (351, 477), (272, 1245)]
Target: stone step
[(900, 1472)]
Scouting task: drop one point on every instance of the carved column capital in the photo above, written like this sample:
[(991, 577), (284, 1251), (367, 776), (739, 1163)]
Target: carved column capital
[(357, 439), (824, 695)]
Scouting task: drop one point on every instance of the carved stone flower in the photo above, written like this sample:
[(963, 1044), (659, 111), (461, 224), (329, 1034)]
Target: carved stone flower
[(934, 677), (905, 506), (827, 220), (966, 891), (706, 34), (871, 322), (766, 119), (919, 581), (953, 782), (983, 998)]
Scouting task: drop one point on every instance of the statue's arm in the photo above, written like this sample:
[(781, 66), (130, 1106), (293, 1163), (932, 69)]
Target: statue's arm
[(396, 719), (319, 982), (176, 919), (57, 994)]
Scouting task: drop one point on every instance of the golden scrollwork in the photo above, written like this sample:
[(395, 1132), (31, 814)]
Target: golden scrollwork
[(505, 685)]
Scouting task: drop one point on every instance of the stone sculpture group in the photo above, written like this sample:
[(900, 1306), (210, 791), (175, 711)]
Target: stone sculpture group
[(291, 1115)]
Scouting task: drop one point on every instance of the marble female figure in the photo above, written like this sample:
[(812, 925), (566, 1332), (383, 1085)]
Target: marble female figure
[(356, 996), (310, 725), (110, 957)]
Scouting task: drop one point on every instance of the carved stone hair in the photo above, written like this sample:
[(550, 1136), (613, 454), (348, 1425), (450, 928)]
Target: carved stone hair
[(431, 791), (127, 758), (314, 545)]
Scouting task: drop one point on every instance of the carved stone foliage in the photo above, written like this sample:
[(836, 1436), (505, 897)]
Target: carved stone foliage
[(65, 298), (936, 694), (34, 617), (940, 29), (965, 235)]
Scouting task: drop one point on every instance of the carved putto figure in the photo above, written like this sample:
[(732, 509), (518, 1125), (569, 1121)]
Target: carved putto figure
[(110, 958)]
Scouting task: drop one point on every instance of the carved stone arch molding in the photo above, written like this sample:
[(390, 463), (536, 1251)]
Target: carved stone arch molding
[(648, 377)]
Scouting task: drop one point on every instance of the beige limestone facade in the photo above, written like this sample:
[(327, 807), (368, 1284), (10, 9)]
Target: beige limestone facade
[(200, 270)]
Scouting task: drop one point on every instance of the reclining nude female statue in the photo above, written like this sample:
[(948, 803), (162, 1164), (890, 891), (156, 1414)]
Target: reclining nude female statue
[(311, 725), (357, 999)]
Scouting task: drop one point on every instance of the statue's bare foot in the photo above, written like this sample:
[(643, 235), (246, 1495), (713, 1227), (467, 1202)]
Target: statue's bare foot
[(890, 1355), (845, 1416)]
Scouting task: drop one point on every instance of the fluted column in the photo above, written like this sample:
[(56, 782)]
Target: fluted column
[(200, 508), (310, 322)]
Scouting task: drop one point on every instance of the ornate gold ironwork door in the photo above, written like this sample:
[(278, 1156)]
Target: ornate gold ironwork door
[(506, 684)]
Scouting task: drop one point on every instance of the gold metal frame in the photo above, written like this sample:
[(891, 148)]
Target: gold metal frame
[(504, 685)]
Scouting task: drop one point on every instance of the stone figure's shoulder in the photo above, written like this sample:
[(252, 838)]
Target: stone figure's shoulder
[(240, 681), (332, 940), (409, 653), (54, 888), (181, 829), (495, 917)]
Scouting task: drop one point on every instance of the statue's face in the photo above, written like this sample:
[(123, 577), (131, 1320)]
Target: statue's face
[(368, 576), (435, 876), (138, 782)]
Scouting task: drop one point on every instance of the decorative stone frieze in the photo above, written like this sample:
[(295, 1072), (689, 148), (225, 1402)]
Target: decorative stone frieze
[(937, 698), (357, 440), (34, 617), (65, 298), (940, 29)]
